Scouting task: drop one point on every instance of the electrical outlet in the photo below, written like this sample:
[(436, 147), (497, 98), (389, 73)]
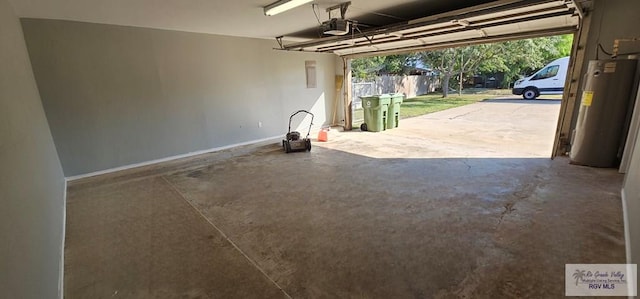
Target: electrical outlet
[(259, 124)]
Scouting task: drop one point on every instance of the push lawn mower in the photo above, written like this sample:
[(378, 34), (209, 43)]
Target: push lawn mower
[(293, 142)]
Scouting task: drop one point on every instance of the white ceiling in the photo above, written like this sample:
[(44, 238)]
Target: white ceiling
[(230, 17)]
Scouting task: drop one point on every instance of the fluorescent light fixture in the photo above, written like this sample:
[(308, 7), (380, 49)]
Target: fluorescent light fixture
[(282, 6)]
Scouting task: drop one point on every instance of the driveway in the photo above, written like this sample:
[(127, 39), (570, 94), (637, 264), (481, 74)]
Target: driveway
[(501, 127)]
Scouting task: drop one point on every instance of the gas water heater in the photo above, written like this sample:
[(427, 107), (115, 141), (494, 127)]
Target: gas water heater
[(603, 112)]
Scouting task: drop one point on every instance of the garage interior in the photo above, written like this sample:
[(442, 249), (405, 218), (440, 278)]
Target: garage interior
[(142, 159)]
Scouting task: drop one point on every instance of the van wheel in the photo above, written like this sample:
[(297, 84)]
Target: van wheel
[(530, 93)]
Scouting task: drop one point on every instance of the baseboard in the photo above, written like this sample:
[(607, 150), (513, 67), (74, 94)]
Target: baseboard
[(64, 236), (171, 158)]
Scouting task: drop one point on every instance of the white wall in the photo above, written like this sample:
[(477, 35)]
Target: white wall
[(118, 95), (31, 179)]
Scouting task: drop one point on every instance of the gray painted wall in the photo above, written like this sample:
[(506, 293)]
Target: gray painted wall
[(31, 179), (118, 95)]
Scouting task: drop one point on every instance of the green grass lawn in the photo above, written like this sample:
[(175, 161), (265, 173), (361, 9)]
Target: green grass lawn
[(425, 104), (433, 103)]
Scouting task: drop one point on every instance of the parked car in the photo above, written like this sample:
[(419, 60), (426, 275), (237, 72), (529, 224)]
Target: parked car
[(548, 80)]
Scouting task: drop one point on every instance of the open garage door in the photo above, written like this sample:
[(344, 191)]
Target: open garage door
[(495, 21)]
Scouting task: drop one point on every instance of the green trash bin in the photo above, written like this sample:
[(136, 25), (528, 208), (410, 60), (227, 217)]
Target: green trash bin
[(394, 110), (375, 112)]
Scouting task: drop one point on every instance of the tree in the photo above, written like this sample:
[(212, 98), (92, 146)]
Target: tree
[(521, 57), (443, 62), (564, 44), (458, 61), (368, 67), (518, 58), (513, 58)]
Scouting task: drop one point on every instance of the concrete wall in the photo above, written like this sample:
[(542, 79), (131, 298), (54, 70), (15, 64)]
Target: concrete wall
[(118, 95), (31, 180)]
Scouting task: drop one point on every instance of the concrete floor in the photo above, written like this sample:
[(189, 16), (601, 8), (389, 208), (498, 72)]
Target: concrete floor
[(458, 204)]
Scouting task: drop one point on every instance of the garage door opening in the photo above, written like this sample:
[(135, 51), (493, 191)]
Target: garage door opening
[(465, 96), (490, 22)]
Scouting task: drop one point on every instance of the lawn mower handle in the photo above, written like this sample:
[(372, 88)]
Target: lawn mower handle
[(295, 113)]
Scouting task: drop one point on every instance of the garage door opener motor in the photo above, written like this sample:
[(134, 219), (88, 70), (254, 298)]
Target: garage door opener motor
[(293, 142)]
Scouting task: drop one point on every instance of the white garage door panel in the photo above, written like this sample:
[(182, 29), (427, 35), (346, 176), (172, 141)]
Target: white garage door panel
[(543, 24)]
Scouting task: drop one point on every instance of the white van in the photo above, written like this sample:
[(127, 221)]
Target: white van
[(549, 80)]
